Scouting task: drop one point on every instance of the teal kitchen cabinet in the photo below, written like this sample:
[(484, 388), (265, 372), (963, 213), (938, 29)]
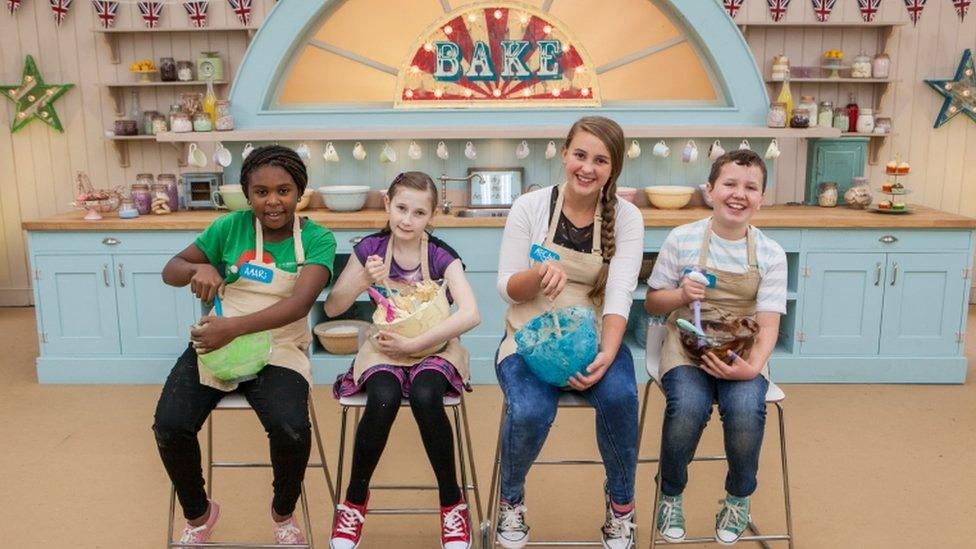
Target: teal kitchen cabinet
[(154, 318), (836, 160), (843, 299)]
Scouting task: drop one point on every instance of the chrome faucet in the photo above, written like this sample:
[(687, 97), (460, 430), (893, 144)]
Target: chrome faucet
[(446, 204)]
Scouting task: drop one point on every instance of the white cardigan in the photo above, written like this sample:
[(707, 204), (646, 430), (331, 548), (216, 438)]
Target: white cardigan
[(528, 224)]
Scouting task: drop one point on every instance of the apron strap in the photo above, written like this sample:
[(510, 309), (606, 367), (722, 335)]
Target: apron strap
[(299, 247), (296, 234), (259, 241), (703, 252), (557, 211), (424, 255), (751, 247)]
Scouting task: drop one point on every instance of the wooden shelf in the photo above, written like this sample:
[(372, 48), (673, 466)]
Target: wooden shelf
[(836, 80), (489, 132), (871, 135), (112, 35), (116, 88), (121, 143)]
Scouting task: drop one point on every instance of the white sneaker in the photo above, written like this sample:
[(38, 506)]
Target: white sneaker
[(619, 532), (512, 532)]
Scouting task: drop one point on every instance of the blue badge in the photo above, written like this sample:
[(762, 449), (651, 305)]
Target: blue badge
[(542, 254), (711, 278), (256, 273)]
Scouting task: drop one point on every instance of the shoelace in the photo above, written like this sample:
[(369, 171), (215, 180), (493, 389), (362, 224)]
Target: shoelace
[(455, 524), (287, 532), (349, 520), (190, 533), (513, 517), (671, 511), (735, 516), (619, 527)]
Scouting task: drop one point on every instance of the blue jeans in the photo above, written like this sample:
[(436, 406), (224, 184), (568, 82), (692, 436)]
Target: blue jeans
[(690, 393), (532, 409)]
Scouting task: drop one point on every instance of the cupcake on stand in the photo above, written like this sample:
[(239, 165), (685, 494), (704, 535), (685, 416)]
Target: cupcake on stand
[(894, 187)]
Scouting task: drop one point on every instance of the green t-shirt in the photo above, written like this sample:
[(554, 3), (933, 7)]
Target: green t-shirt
[(230, 240)]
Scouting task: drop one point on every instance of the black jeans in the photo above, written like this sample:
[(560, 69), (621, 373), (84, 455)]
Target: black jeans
[(278, 395)]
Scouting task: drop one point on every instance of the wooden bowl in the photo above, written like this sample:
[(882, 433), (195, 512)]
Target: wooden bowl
[(340, 337), (735, 335)]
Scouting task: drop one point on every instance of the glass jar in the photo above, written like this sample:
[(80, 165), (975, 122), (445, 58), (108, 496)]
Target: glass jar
[(173, 109), (140, 193), (160, 199), (184, 71), (168, 181), (135, 111), (865, 121), (809, 103), (781, 68), (825, 114), (776, 117), (852, 110), (191, 102), (225, 120), (841, 121), (202, 122), (167, 69), (147, 122), (159, 124), (881, 66), (861, 66), (127, 209), (882, 124), (827, 194), (181, 123), (800, 118)]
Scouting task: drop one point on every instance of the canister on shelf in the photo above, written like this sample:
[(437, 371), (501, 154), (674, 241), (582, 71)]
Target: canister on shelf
[(882, 124), (865, 121), (147, 121), (181, 123), (225, 120), (159, 124), (800, 118), (140, 193), (781, 68), (167, 69), (776, 117), (184, 71), (841, 120), (127, 209), (168, 181), (827, 195), (861, 66), (202, 122), (881, 66), (825, 114), (160, 199), (809, 103)]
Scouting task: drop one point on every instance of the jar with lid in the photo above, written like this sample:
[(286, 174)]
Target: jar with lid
[(865, 121), (168, 180), (841, 121), (173, 109), (882, 124), (827, 194), (202, 122), (167, 69), (809, 103), (160, 199), (861, 66), (181, 123), (147, 121), (184, 71), (127, 209), (881, 66), (776, 117), (159, 124), (800, 118), (825, 114), (140, 192), (225, 120)]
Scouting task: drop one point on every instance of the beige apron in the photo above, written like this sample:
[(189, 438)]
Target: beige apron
[(245, 296), (582, 270), (733, 294), (370, 355)]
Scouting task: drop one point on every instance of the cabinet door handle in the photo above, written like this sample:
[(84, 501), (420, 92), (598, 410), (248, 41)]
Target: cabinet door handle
[(877, 274), (888, 239), (894, 274), (121, 275), (105, 274), (110, 241)]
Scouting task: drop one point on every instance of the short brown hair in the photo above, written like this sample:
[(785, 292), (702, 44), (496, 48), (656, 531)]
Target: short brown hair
[(418, 181), (742, 157)]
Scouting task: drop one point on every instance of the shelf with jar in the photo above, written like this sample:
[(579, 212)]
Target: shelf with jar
[(117, 90), (112, 35)]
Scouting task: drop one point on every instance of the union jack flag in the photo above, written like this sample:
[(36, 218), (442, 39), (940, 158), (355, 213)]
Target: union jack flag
[(869, 8), (732, 6), (962, 6), (777, 9), (915, 8), (151, 12), (12, 5), (106, 11), (242, 9), (822, 9), (197, 11), (59, 9)]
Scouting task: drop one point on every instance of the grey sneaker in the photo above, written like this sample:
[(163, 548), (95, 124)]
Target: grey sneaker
[(512, 531), (619, 532), (732, 519), (671, 519)]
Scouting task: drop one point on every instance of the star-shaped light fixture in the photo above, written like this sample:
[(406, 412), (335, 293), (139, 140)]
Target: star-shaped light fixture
[(959, 93), (34, 99)]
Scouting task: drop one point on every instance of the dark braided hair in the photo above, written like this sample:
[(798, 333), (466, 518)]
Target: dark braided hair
[(275, 155)]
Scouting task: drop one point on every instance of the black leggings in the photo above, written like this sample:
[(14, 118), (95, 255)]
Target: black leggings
[(279, 396), (382, 404)]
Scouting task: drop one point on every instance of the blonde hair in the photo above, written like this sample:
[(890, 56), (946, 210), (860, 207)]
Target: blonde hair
[(612, 136)]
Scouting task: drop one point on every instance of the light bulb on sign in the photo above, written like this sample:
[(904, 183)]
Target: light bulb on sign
[(468, 93), (409, 94), (498, 14), (472, 17), (524, 19), (547, 29), (496, 92), (565, 48), (414, 69), (428, 47), (438, 93), (448, 30), (556, 92), (585, 92), (526, 92)]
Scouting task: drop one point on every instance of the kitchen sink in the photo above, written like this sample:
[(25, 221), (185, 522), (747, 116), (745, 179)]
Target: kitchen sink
[(482, 212)]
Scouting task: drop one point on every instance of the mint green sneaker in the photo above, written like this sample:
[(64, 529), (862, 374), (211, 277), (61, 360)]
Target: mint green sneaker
[(732, 519), (671, 519)]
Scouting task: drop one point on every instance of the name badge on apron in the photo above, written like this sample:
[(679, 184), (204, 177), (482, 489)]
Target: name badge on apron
[(542, 254), (256, 273)]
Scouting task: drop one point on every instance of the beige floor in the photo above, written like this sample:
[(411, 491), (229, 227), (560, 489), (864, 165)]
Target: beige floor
[(872, 466)]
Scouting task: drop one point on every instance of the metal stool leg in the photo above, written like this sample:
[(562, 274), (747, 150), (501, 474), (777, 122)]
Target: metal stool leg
[(342, 454), (210, 460), (470, 457), (494, 491), (786, 475), (318, 444)]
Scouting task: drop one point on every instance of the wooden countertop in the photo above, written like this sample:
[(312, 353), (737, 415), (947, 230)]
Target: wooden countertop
[(769, 217)]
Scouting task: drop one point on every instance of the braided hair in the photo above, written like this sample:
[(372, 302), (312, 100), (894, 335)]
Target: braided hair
[(612, 136), (275, 155)]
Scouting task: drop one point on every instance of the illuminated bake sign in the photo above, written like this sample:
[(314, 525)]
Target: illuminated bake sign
[(496, 55)]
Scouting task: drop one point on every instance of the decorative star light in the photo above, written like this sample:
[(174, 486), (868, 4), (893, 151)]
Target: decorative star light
[(34, 99), (959, 93)]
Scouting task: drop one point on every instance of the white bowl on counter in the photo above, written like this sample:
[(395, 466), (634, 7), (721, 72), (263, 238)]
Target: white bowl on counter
[(344, 198)]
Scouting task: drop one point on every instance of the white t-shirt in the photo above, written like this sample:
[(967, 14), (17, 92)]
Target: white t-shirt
[(682, 248), (528, 224)]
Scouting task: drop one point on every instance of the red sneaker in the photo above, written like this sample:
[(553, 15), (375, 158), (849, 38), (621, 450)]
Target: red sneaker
[(347, 528), (455, 527)]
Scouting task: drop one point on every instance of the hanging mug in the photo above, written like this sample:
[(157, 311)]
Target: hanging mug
[(330, 154), (303, 152), (661, 149), (469, 151), (414, 151), (715, 150), (772, 151), (550, 150), (744, 145), (522, 150), (388, 155), (196, 157), (690, 152), (359, 151), (634, 151), (248, 149), (222, 155), (442, 151)]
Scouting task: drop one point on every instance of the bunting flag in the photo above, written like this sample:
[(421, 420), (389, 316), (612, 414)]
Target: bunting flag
[(869, 8), (242, 9), (822, 9), (13, 5), (732, 7), (915, 8), (60, 9), (106, 10), (777, 9), (962, 6), (197, 12), (151, 12)]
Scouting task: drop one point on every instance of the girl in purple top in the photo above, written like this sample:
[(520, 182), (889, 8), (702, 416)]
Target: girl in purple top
[(404, 253)]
